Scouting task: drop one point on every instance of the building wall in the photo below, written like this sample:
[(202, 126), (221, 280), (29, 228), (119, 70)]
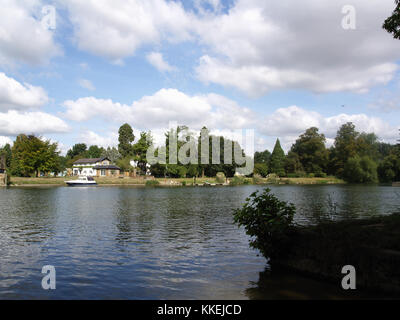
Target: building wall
[(108, 173)]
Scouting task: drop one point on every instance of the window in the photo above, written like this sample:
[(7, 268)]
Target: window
[(103, 172)]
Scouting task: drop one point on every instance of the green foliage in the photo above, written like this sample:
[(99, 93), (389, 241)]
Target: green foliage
[(262, 157), (152, 183), (392, 24), (292, 163), (176, 171), (76, 150), (94, 152), (311, 151), (125, 139), (140, 148), (345, 147), (267, 220), (239, 180), (124, 164), (277, 160), (6, 151), (220, 177), (112, 154), (261, 169), (360, 170), (31, 156), (389, 169)]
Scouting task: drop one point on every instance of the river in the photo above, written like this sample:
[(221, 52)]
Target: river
[(159, 243)]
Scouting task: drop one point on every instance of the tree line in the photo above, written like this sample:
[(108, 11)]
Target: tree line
[(355, 157)]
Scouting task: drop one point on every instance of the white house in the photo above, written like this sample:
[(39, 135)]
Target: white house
[(96, 167)]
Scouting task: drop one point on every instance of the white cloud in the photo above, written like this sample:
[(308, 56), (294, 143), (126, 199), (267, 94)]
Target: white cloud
[(23, 39), (4, 140), (156, 60), (289, 123), (156, 111), (14, 95), (13, 123), (86, 84), (92, 138), (261, 45), (116, 29)]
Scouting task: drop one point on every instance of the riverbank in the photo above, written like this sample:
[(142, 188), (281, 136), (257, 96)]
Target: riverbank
[(371, 245), (128, 181)]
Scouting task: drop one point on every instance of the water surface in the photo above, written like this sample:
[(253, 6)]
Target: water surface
[(158, 243)]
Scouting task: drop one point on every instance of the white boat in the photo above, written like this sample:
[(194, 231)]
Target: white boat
[(82, 181)]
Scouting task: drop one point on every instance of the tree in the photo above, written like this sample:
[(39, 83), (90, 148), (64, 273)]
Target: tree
[(392, 24), (360, 170), (6, 151), (125, 139), (94, 152), (262, 157), (261, 169), (293, 164), (111, 153), (140, 148), (277, 160), (389, 169), (345, 147), (78, 149), (311, 151), (32, 155)]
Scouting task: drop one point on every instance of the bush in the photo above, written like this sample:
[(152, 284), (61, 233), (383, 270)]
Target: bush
[(261, 169), (267, 220), (239, 180), (152, 183), (220, 177), (257, 179), (360, 170)]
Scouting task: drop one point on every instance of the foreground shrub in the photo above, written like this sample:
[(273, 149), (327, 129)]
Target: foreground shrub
[(267, 220)]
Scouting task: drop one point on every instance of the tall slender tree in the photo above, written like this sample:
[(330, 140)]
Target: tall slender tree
[(277, 160), (125, 139)]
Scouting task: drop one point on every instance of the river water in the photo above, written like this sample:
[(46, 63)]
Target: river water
[(159, 243)]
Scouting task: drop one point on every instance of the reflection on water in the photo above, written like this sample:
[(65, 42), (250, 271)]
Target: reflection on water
[(157, 243)]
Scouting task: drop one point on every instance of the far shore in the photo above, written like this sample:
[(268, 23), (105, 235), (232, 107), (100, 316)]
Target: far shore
[(171, 182)]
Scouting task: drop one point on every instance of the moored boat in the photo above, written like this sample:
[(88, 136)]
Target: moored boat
[(82, 181)]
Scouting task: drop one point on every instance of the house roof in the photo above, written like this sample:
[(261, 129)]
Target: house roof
[(90, 161), (107, 167)]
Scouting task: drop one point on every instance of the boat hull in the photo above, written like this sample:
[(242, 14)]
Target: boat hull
[(74, 184)]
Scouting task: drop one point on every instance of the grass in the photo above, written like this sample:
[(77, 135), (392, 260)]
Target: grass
[(59, 181)]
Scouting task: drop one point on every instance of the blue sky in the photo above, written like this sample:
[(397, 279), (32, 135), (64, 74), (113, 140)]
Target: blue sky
[(229, 65)]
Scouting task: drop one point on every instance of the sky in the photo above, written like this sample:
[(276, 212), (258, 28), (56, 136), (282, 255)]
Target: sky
[(75, 71)]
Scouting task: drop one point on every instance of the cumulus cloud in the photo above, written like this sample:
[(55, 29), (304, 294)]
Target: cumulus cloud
[(166, 105), (115, 30), (13, 123), (289, 123), (92, 138), (23, 39), (156, 60), (4, 140), (260, 46), (86, 84), (14, 95)]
